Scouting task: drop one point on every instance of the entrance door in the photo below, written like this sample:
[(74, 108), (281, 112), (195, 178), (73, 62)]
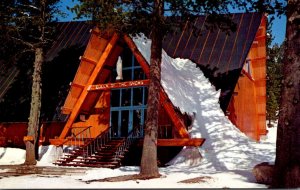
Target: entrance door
[(124, 121)]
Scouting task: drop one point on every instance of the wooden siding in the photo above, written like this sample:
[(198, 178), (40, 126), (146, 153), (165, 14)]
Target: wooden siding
[(12, 133), (247, 107), (98, 120)]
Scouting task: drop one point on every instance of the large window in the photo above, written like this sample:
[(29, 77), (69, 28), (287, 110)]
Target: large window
[(128, 105)]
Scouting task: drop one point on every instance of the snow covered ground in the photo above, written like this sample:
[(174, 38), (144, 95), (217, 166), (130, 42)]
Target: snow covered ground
[(228, 155)]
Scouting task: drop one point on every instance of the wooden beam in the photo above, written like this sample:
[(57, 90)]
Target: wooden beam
[(137, 54), (178, 142), (248, 75), (83, 95), (258, 58), (28, 138), (82, 58), (76, 85), (176, 120), (60, 142), (160, 142), (126, 84), (168, 106), (260, 38)]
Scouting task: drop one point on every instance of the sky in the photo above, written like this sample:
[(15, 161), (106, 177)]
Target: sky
[(278, 28)]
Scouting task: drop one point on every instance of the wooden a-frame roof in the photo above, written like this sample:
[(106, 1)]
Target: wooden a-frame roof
[(220, 56), (95, 67)]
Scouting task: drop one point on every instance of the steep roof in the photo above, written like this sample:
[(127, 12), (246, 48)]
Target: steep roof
[(69, 34), (220, 56), (7, 76)]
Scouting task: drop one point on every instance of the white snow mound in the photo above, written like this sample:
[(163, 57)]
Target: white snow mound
[(226, 147)]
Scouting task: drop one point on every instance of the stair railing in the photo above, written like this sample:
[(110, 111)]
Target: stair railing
[(76, 140), (83, 141), (130, 139)]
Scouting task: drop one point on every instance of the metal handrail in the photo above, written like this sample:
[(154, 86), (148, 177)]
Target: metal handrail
[(92, 144), (74, 137), (132, 136)]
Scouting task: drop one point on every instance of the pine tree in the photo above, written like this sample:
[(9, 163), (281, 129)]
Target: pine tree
[(26, 24), (287, 163), (274, 76)]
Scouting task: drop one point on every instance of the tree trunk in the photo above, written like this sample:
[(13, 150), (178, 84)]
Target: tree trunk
[(287, 163), (149, 167), (34, 116)]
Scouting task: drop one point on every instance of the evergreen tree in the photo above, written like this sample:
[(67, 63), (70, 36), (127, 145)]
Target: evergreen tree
[(287, 163), (160, 17), (274, 76), (27, 26)]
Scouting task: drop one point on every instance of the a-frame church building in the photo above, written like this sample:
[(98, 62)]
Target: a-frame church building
[(107, 100)]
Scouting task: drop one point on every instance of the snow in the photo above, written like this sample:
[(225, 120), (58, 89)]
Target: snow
[(227, 156)]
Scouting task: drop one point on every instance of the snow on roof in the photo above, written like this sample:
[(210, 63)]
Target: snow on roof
[(226, 147)]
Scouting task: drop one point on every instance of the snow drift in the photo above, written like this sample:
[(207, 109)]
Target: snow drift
[(226, 147)]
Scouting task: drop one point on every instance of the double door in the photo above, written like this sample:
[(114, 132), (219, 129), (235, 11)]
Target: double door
[(123, 121)]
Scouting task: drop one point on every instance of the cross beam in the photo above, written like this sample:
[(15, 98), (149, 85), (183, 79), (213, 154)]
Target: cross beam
[(116, 85)]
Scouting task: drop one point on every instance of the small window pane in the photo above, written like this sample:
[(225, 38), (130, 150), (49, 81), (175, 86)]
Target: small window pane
[(124, 123), (115, 98), (127, 75), (136, 63), (114, 123), (126, 97), (138, 74), (138, 96), (145, 95)]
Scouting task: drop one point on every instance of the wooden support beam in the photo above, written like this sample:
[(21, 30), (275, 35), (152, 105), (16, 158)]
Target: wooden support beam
[(258, 64), (168, 106), (83, 95), (137, 54), (160, 142), (178, 142), (60, 142), (126, 84), (76, 85), (260, 38), (28, 138), (176, 120), (87, 60), (248, 75), (258, 58)]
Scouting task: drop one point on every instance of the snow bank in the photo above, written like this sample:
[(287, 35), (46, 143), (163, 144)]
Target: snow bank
[(11, 156), (226, 147), (48, 155)]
